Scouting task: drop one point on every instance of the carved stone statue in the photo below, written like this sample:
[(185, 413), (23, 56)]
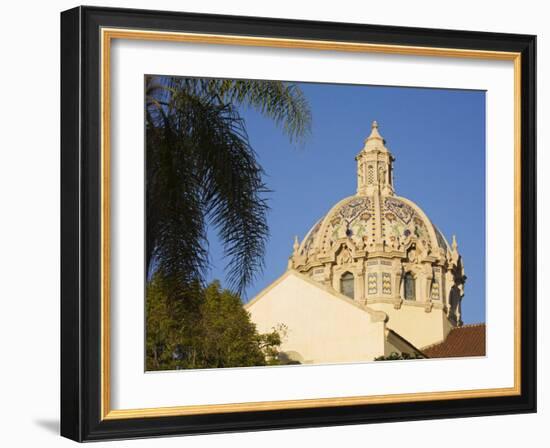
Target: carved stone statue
[(382, 174), (345, 257)]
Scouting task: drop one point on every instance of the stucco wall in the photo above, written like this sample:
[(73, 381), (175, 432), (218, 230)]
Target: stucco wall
[(322, 327), (415, 324), (396, 344)]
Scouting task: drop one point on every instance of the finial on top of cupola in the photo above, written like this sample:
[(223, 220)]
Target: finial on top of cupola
[(374, 134), (454, 243), (296, 245)]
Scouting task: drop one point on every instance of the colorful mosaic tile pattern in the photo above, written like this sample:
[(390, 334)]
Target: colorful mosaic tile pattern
[(402, 222), (311, 237), (403, 211), (351, 220)]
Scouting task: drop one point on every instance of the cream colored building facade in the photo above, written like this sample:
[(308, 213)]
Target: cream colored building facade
[(373, 276)]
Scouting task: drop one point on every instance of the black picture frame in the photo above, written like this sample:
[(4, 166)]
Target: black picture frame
[(81, 224)]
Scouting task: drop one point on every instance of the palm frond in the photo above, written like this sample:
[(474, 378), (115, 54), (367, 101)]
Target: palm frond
[(201, 169), (282, 102)]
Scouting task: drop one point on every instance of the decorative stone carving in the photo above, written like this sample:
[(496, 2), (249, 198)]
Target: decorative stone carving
[(345, 256), (386, 283), (411, 255), (435, 290), (382, 174), (372, 283)]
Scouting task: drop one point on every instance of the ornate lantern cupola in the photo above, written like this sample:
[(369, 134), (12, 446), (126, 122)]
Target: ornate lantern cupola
[(375, 166)]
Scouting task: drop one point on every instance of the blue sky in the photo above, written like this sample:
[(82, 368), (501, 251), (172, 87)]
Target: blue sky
[(438, 139)]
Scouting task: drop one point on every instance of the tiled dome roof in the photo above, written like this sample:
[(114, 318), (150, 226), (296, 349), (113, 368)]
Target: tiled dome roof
[(367, 220)]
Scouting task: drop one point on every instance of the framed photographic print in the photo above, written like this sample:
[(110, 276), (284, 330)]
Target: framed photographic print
[(276, 224)]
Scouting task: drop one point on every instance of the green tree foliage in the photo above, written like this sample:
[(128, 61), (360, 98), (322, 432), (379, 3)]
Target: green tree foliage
[(203, 328), (201, 170), (394, 356)]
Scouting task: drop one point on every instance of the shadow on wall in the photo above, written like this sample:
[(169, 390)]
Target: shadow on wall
[(290, 358)]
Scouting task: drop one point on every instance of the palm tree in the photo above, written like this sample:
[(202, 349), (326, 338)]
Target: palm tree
[(201, 170)]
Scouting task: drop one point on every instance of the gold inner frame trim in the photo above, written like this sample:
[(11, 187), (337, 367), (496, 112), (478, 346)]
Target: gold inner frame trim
[(107, 35)]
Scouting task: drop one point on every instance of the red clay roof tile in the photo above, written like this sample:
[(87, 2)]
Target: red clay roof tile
[(468, 340)]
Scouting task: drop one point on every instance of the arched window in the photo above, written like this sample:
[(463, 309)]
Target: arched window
[(347, 286), (410, 287)]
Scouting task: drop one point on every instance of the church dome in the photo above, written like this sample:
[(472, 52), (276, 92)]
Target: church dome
[(374, 218), (377, 247)]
